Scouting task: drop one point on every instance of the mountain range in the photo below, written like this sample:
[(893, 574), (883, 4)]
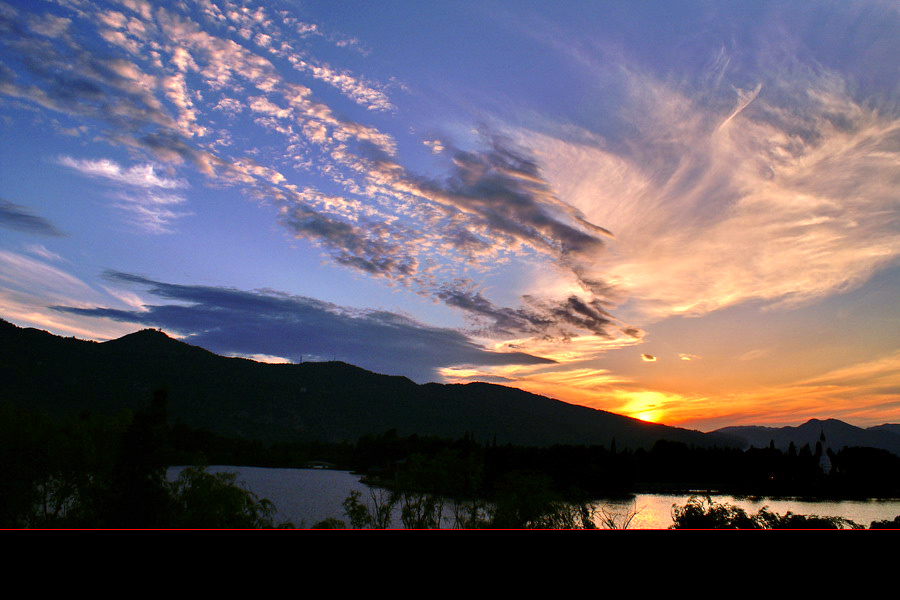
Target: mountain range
[(335, 401), (327, 401), (837, 434)]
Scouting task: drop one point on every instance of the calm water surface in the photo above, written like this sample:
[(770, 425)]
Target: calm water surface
[(302, 496), (655, 510), (307, 496)]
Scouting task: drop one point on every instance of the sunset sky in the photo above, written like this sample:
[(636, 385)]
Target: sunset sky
[(687, 212)]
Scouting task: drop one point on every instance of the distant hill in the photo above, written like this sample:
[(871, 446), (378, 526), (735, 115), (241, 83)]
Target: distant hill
[(837, 435), (888, 427), (328, 401)]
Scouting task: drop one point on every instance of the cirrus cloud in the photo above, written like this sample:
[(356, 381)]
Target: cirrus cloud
[(143, 176)]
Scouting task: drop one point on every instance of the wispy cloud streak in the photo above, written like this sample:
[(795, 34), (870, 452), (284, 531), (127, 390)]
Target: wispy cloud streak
[(149, 208), (144, 176), (791, 197)]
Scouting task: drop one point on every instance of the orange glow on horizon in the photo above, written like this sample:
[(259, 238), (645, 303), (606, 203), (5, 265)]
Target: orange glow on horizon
[(860, 394), (644, 405), (651, 416)]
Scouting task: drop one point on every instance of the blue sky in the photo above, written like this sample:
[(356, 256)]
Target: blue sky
[(681, 211)]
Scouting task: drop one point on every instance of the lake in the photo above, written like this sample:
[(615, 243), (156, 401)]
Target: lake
[(307, 496)]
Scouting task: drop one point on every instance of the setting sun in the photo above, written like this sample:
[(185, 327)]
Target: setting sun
[(646, 406), (653, 416)]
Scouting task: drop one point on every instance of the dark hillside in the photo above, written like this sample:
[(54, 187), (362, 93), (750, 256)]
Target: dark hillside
[(837, 434), (327, 401)]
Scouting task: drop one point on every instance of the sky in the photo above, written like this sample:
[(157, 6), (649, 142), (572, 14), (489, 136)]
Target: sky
[(685, 212)]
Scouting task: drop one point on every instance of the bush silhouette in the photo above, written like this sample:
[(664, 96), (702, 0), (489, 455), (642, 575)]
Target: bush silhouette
[(214, 500), (704, 513)]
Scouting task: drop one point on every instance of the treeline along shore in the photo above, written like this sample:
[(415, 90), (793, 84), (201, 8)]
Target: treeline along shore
[(93, 470)]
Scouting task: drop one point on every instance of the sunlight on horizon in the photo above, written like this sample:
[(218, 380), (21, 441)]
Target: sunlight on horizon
[(645, 406)]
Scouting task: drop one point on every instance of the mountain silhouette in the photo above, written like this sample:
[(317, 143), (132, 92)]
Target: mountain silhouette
[(327, 401), (887, 427), (838, 434)]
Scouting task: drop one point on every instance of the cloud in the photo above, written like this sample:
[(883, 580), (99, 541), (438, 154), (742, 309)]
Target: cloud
[(73, 80), (755, 354), (560, 318), (177, 78), (373, 248), (49, 25), (502, 192), (776, 187), (143, 176), (268, 34), (493, 202), (785, 197), (150, 208), (13, 216), (360, 91), (436, 146), (648, 358), (41, 251), (151, 212), (580, 385), (468, 375), (271, 323), (26, 274), (28, 285)]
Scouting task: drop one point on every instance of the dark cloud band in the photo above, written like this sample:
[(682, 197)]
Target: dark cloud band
[(13, 216), (231, 321)]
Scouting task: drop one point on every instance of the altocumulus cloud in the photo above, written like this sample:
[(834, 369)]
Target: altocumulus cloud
[(157, 82), (231, 321)]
